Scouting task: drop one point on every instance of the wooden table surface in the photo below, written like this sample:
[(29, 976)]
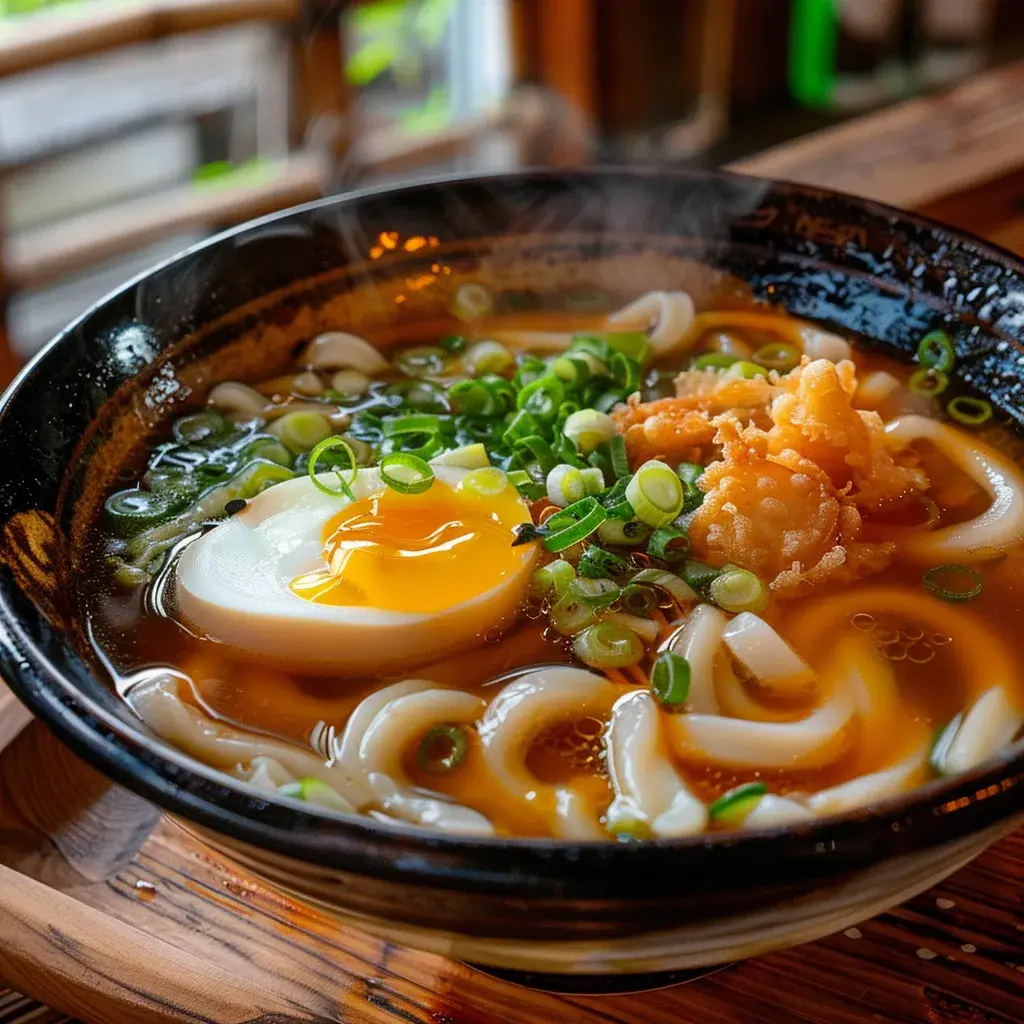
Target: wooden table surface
[(115, 916)]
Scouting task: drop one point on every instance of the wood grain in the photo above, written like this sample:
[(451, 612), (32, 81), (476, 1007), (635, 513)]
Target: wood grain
[(14, 716), (916, 152)]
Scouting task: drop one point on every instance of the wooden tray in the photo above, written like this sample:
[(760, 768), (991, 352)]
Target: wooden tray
[(116, 916)]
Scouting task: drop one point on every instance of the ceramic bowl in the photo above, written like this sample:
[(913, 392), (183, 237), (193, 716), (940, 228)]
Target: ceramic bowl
[(384, 263)]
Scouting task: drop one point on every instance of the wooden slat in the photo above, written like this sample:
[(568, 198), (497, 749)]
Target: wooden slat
[(70, 33), (916, 152), (43, 255), (14, 716)]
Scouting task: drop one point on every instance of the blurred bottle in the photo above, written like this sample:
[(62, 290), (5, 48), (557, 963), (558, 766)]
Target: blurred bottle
[(952, 39), (848, 54)]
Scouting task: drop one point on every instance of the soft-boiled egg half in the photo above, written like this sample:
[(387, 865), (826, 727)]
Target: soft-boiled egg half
[(371, 585)]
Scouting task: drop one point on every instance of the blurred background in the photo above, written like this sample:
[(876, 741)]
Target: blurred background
[(131, 129)]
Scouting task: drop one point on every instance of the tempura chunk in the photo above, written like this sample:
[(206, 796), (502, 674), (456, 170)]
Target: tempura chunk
[(814, 416), (677, 429), (779, 515)]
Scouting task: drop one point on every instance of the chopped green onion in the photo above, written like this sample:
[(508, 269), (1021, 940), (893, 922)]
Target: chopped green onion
[(573, 524), (418, 423), (571, 369), (267, 447), (422, 361), (455, 344), (733, 807), (670, 544), (928, 381), (634, 345), (607, 400), (969, 412), (521, 425), (638, 599), (596, 563), (539, 449), (746, 370), (129, 512), (625, 533), (423, 445), (472, 398), (565, 485), (713, 361), (589, 428), (202, 426), (556, 575), (525, 484), (469, 456), (405, 473), (594, 593), (672, 584), (570, 615), (301, 431), (952, 582), (607, 645), (472, 301), (488, 482), (778, 355), (625, 372), (593, 480), (543, 397), (314, 791), (427, 395), (620, 461), (944, 740), (700, 576), (336, 454), (656, 494), (442, 749), (531, 368), (693, 496), (936, 352), (670, 680), (738, 590), (488, 357), (350, 382)]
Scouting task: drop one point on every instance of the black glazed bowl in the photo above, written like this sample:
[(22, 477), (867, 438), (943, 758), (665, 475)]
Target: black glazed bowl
[(375, 262)]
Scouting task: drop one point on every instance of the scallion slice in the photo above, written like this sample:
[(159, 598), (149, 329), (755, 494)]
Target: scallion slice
[(543, 397), (670, 680), (638, 599), (488, 357), (596, 563), (487, 482), (573, 524), (556, 576), (778, 355), (746, 370), (623, 532), (336, 454), (472, 301), (589, 428), (655, 493), (525, 484), (473, 398), (570, 614), (738, 590), (672, 584), (422, 361), (632, 344), (313, 791), (405, 473), (732, 808), (608, 645), (442, 749), (700, 576), (690, 473), (620, 460), (969, 412), (670, 544), (594, 593), (936, 352), (952, 582), (928, 381), (418, 423), (713, 361)]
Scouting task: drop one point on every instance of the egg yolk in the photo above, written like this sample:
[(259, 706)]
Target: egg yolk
[(417, 552)]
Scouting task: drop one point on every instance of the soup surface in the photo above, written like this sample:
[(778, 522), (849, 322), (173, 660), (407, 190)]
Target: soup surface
[(635, 574)]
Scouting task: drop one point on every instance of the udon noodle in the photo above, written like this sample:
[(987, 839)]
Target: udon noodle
[(646, 573)]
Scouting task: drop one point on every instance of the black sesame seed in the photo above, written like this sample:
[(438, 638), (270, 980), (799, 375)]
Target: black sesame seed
[(235, 505)]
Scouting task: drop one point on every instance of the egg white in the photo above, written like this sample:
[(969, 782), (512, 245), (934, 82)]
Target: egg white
[(233, 586)]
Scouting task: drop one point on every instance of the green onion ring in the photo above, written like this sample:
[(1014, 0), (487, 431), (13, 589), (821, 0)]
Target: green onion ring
[(638, 599), (778, 355), (928, 381), (608, 645), (670, 544), (574, 524), (405, 473), (656, 493), (936, 352), (345, 488), (932, 581), (969, 412), (620, 461), (713, 361), (670, 680), (732, 807), (442, 749)]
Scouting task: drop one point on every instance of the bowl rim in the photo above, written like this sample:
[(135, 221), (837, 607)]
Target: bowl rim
[(126, 753)]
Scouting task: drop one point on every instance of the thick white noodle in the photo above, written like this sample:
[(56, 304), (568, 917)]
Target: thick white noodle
[(989, 725), (999, 528), (773, 811), (523, 709), (647, 786), (737, 701), (869, 789), (699, 641), (399, 724), (812, 742), (766, 656), (267, 774), (237, 400), (231, 750), (819, 344), (338, 350), (668, 316), (346, 751)]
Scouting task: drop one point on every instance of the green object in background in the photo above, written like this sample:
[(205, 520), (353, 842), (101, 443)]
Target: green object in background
[(812, 52), (223, 172)]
